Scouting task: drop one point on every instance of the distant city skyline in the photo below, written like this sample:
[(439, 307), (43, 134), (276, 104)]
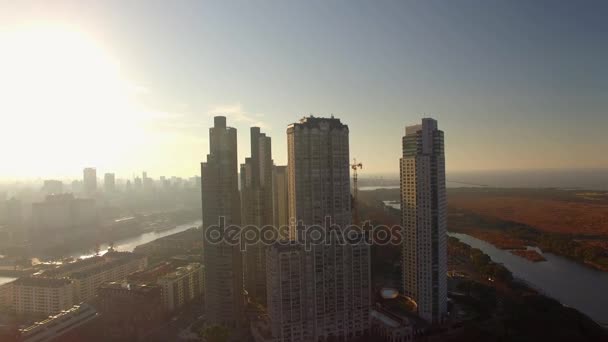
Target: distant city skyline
[(125, 87)]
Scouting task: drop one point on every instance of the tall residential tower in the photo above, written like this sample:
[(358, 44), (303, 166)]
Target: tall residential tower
[(109, 182), (257, 209), (423, 218), (89, 181), (323, 292), (280, 196), (220, 199)]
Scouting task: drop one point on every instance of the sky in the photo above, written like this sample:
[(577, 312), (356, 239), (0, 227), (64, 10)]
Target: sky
[(128, 86)]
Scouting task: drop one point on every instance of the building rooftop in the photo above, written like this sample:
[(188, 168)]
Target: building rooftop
[(41, 282), (129, 287), (73, 266), (180, 271), (386, 319), (152, 273), (317, 122), (74, 310), (106, 265)]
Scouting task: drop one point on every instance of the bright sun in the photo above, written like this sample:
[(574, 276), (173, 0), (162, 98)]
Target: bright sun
[(63, 103)]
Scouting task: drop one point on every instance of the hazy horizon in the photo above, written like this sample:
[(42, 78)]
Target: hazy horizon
[(580, 178)]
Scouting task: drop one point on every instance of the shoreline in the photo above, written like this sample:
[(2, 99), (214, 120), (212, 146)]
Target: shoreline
[(528, 254), (520, 249), (529, 283), (87, 244)]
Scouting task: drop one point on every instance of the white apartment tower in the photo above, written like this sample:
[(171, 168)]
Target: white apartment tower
[(325, 292), (223, 263), (423, 218)]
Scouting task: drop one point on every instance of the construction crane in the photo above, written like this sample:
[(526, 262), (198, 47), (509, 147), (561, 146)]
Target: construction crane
[(355, 166)]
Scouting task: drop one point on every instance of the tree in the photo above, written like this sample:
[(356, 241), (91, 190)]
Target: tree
[(215, 333)]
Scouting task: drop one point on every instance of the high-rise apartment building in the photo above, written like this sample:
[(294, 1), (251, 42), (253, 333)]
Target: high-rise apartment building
[(147, 182), (64, 212), (109, 182), (257, 209), (137, 184), (89, 181), (223, 263), (281, 207), (423, 218), (325, 291), (319, 171), (52, 187)]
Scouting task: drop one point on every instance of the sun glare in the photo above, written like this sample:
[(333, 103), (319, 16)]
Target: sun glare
[(63, 102)]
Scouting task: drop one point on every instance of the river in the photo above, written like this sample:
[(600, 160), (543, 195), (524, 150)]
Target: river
[(129, 244), (573, 284)]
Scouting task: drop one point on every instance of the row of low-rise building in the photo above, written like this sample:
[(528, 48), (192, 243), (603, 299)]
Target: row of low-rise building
[(42, 296), (180, 282), (181, 286), (131, 307), (59, 288), (116, 267)]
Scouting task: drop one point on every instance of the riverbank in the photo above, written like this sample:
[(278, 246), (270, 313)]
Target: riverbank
[(529, 254), (507, 308), (510, 235), (87, 243), (130, 244), (569, 282)]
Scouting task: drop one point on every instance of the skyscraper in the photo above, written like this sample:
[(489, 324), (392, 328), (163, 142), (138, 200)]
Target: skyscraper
[(89, 181), (147, 182), (257, 209), (423, 218), (109, 182), (319, 171), (52, 187), (323, 292), (137, 184), (281, 207), (220, 198)]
